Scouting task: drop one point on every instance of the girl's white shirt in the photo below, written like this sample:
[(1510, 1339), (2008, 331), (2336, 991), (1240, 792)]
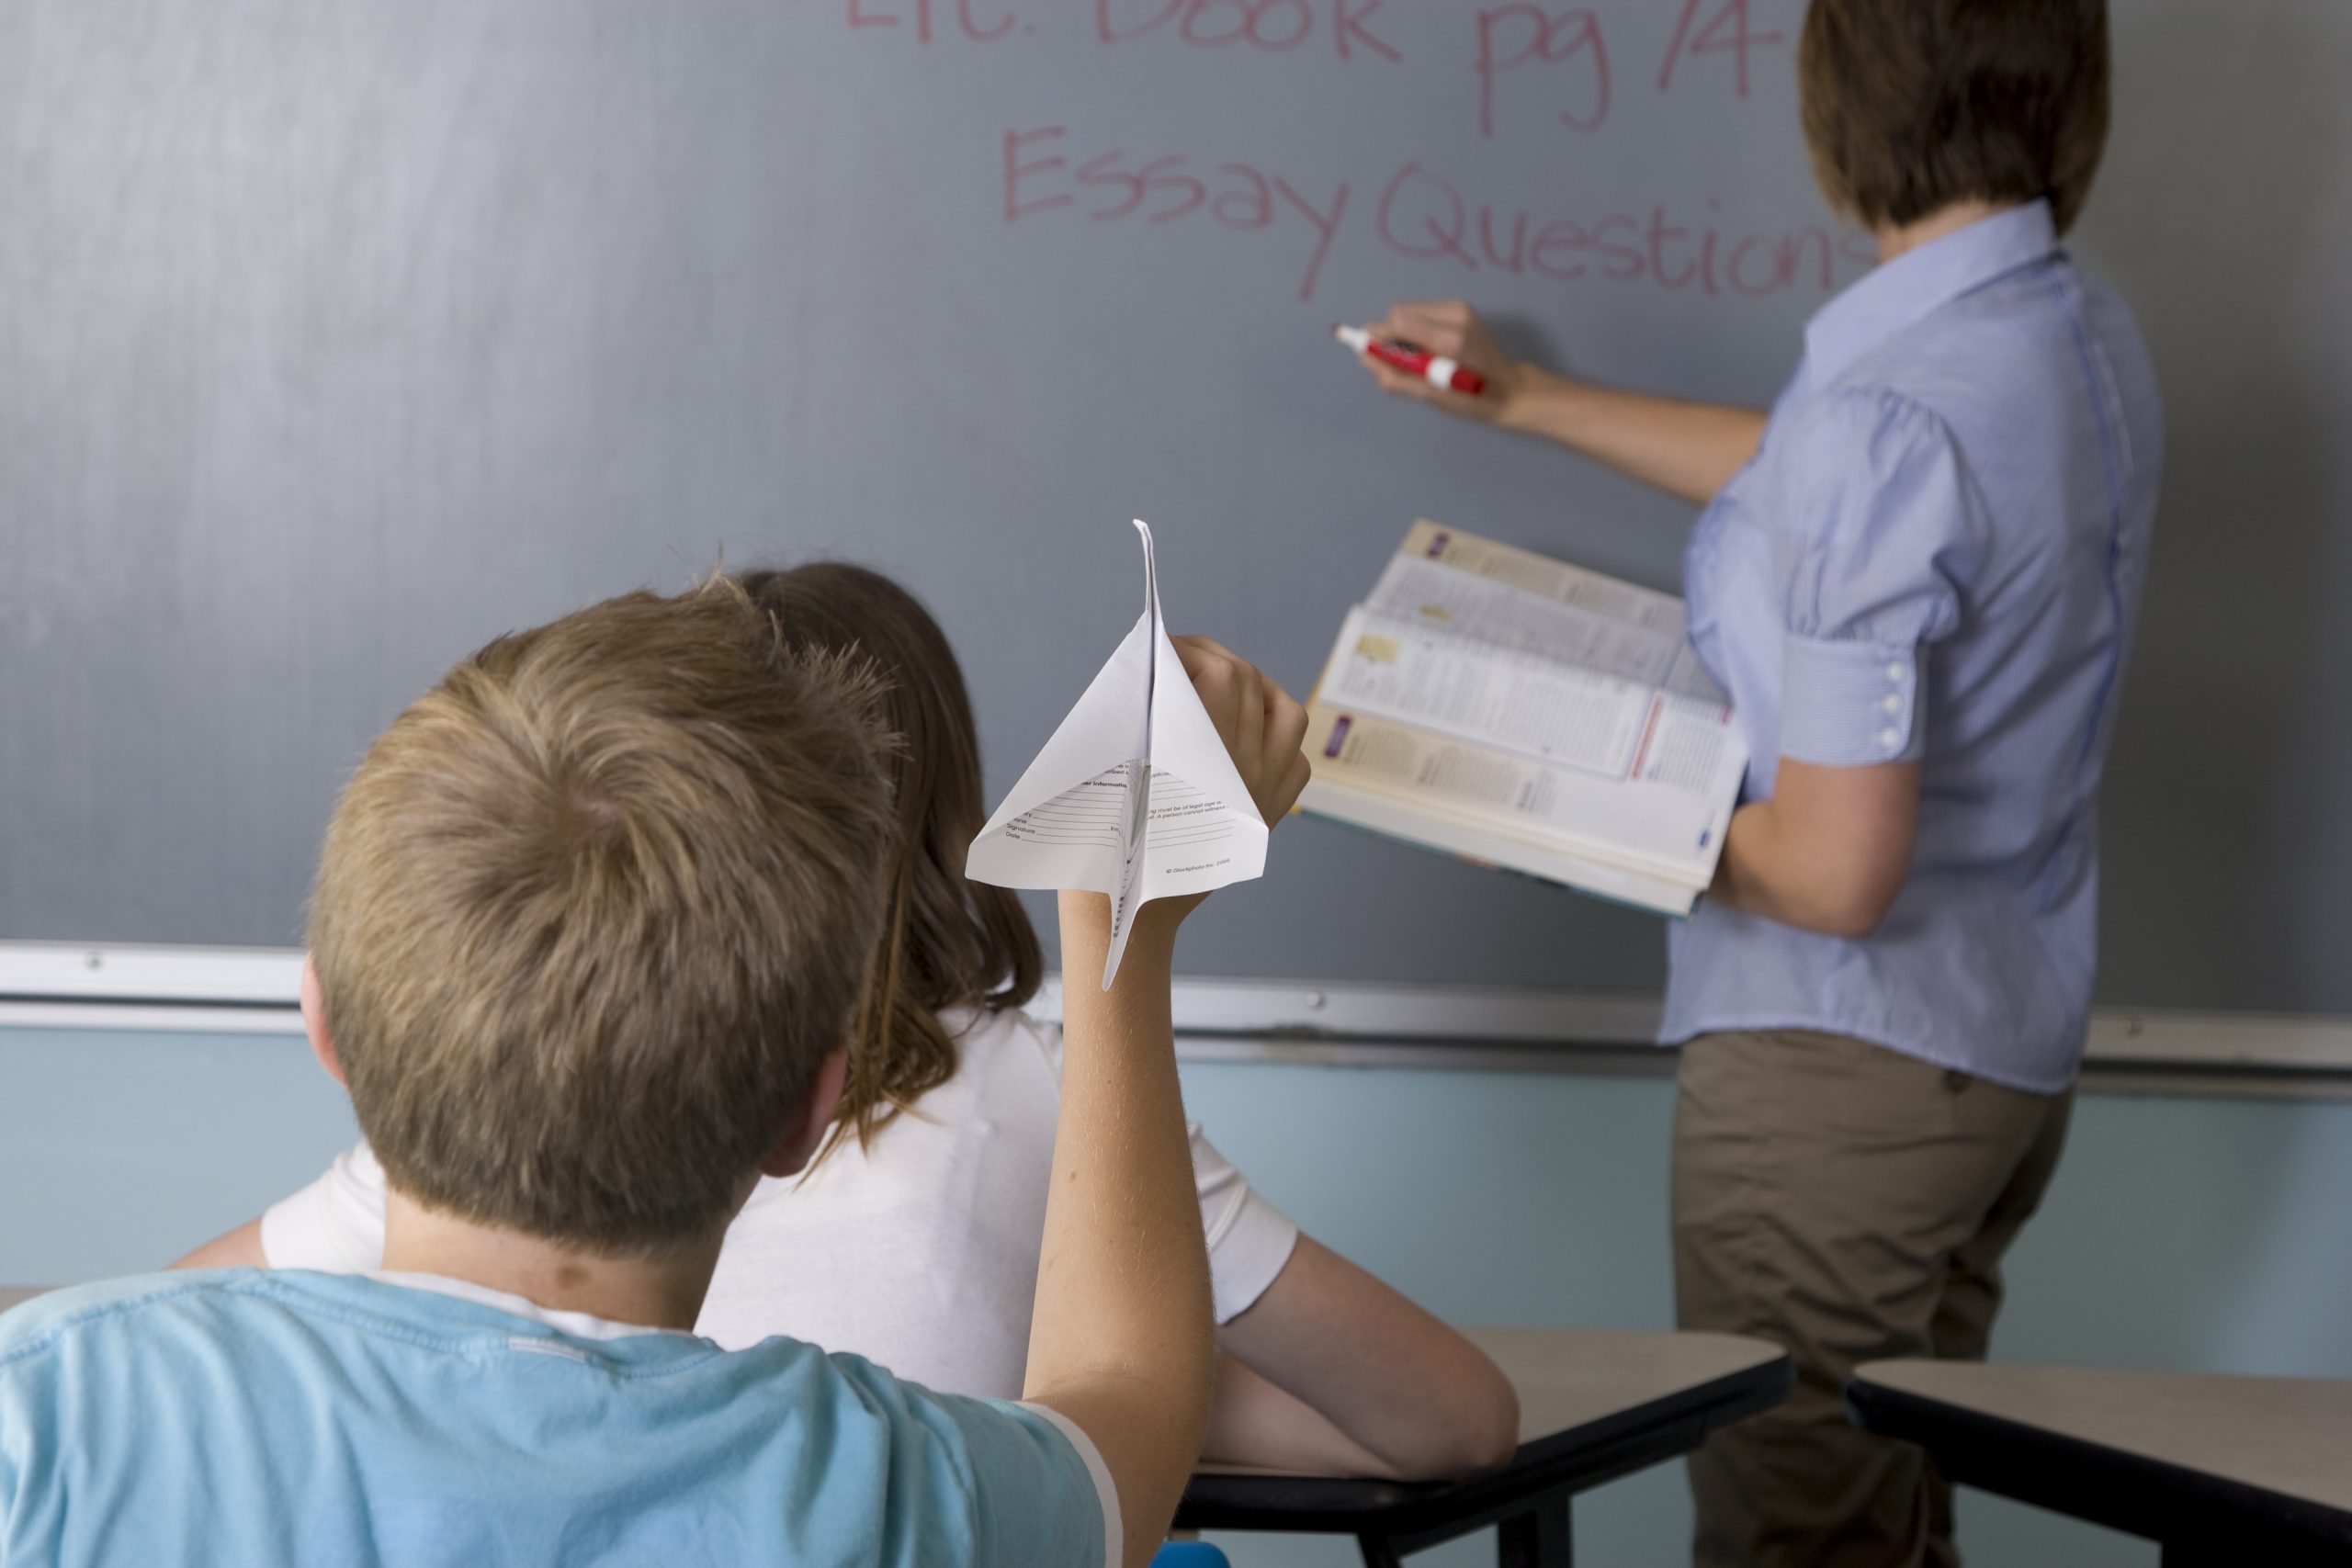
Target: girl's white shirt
[(919, 1253)]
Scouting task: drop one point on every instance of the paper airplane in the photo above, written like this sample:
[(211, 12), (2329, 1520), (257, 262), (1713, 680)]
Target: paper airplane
[(1135, 796)]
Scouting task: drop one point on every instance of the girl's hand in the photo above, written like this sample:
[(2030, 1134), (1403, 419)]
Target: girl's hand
[(1260, 724)]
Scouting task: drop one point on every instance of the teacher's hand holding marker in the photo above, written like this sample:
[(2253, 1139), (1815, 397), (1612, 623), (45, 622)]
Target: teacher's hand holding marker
[(1416, 368), (1447, 330), (1917, 580), (1687, 449)]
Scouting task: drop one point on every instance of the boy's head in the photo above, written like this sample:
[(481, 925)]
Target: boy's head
[(593, 911), (1913, 105)]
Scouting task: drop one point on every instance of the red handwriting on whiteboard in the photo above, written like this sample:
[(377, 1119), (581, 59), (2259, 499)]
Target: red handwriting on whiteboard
[(1271, 25), (1513, 36), (1423, 215), (1727, 32), (1039, 178), (894, 13)]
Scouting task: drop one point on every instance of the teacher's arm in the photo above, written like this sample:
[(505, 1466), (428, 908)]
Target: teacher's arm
[(1827, 853), (1882, 527), (1689, 450)]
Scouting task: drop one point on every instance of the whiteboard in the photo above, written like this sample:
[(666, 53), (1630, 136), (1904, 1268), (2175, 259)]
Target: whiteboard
[(337, 336)]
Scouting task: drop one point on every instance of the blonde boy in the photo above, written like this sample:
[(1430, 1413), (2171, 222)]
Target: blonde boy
[(590, 925)]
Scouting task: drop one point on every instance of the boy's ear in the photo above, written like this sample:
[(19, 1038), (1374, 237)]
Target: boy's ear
[(314, 1020), (802, 1139)]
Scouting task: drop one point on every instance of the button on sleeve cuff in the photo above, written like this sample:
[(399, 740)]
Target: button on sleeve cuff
[(1849, 704)]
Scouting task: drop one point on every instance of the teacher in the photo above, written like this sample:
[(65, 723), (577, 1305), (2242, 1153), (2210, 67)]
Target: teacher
[(1917, 578)]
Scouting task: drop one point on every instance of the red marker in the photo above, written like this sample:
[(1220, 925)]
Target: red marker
[(1447, 375)]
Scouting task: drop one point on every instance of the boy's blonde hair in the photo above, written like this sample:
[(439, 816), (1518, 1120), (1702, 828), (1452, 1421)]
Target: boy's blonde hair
[(592, 910)]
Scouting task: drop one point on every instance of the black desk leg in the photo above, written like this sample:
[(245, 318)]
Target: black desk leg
[(1377, 1553), (1541, 1538)]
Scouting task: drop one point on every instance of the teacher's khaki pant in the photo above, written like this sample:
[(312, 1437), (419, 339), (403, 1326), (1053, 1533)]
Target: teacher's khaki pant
[(1850, 1204)]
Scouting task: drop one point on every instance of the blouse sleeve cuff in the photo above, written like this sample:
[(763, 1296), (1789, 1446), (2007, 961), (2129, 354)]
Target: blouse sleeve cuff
[(1851, 703)]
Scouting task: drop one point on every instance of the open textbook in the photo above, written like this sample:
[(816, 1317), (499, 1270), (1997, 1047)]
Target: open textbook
[(1135, 795), (1527, 713)]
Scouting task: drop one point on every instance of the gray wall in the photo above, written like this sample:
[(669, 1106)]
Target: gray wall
[(338, 335), (2199, 1235)]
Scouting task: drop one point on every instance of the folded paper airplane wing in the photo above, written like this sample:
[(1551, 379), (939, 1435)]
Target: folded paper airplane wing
[(1134, 796)]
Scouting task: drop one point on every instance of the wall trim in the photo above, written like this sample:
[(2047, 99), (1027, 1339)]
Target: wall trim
[(115, 972), (257, 990)]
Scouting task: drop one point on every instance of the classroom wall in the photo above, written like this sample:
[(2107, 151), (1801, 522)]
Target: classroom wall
[(2206, 1233)]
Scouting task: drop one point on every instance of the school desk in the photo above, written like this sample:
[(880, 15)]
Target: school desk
[(2220, 1469), (1593, 1405)]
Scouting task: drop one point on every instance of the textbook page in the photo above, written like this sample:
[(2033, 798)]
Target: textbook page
[(1666, 819), (1134, 796), (1529, 713), (1498, 696), (1496, 593), (1492, 826)]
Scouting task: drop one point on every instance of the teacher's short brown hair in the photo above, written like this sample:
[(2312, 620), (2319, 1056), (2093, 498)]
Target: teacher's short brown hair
[(1913, 105)]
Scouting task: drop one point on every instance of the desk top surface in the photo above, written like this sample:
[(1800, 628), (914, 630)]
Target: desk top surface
[(2288, 1436), (1593, 1405), (1572, 1378), (1568, 1378), (11, 1294)]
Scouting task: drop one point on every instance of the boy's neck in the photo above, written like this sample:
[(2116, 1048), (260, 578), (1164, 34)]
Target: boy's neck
[(647, 1292)]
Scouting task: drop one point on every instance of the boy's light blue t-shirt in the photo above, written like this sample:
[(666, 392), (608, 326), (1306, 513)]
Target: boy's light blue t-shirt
[(346, 1422)]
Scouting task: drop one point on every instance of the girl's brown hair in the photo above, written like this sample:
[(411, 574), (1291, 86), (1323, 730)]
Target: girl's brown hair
[(945, 941)]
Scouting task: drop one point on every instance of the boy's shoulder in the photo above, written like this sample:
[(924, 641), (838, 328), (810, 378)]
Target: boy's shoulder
[(35, 1323), (55, 1321), (513, 1429), (246, 1301)]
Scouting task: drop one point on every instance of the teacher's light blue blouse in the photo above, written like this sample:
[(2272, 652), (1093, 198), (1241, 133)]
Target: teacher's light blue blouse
[(1936, 557)]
